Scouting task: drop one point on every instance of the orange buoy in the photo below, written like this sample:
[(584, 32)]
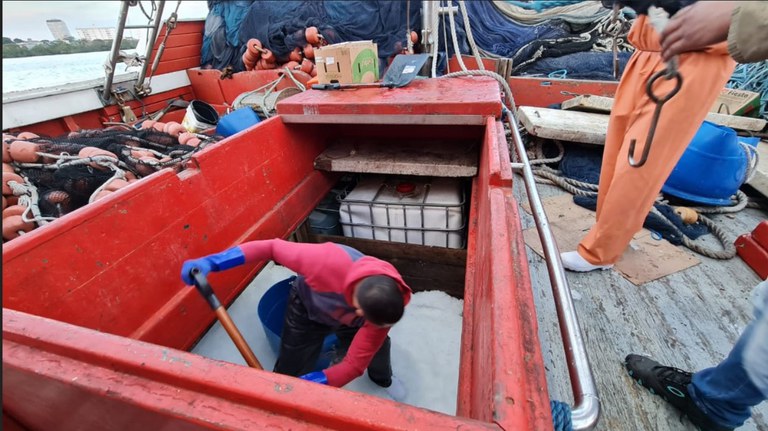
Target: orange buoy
[(13, 225), (6, 153), (255, 47), (26, 136), (295, 55), (306, 66), (10, 176), (309, 51), (14, 210), (250, 57), (93, 152), (292, 65), (147, 124), (312, 35), (116, 184), (24, 151), (194, 142), (414, 37), (268, 56)]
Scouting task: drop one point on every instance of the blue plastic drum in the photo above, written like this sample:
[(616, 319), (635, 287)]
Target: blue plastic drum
[(271, 312)]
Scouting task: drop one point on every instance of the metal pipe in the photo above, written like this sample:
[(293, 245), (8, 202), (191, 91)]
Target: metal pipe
[(586, 410), (427, 9), (114, 53), (151, 39)]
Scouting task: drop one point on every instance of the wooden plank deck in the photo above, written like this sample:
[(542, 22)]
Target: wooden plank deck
[(689, 319)]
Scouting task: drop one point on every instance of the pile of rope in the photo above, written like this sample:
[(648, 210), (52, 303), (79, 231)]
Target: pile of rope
[(577, 37), (752, 77), (45, 178)]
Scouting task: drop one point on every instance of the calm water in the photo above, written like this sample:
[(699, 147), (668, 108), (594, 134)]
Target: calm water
[(54, 70)]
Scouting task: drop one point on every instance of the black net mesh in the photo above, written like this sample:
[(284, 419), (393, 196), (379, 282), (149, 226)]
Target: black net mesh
[(65, 181)]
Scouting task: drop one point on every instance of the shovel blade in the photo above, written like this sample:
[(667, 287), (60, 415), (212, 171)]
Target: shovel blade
[(404, 69)]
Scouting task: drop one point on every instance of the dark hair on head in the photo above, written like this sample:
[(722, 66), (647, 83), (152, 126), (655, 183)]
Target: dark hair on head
[(380, 299)]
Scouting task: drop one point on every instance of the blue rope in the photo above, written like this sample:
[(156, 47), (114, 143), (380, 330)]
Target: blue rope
[(752, 77), (561, 415), (558, 74)]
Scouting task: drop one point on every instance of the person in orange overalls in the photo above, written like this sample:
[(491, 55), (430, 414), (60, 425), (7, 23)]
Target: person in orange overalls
[(626, 194)]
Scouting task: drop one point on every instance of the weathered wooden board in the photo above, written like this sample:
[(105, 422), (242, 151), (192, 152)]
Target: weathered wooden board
[(603, 105), (440, 159), (760, 180), (572, 126), (690, 319)]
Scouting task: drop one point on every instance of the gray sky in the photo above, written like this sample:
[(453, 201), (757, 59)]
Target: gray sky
[(26, 19)]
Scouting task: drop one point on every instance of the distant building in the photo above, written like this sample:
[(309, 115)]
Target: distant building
[(58, 29), (94, 33)]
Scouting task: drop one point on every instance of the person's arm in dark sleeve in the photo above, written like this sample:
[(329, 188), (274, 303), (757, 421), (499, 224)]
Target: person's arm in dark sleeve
[(748, 32)]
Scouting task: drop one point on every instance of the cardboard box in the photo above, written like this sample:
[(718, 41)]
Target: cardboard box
[(737, 102), (348, 63)]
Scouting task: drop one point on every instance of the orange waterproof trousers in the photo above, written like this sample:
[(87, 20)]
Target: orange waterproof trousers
[(626, 194)]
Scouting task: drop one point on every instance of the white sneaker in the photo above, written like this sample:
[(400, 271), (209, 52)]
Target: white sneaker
[(397, 390), (573, 261)]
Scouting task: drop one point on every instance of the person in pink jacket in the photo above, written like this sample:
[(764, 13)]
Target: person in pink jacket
[(338, 290)]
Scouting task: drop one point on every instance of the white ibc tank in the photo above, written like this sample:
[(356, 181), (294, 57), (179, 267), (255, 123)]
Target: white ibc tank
[(412, 210)]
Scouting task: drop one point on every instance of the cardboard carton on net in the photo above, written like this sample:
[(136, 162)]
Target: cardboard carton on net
[(348, 63)]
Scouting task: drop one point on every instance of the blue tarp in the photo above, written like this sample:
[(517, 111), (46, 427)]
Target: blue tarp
[(279, 25)]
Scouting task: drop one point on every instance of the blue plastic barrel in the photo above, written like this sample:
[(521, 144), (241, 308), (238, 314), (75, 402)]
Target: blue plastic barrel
[(271, 312), (712, 168), (237, 121)]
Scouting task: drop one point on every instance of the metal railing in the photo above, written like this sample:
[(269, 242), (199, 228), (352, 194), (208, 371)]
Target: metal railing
[(586, 410), (114, 54)]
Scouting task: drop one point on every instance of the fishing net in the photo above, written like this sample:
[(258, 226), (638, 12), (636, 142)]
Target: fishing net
[(70, 171)]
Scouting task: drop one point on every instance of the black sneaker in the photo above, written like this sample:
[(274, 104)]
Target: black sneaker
[(672, 385)]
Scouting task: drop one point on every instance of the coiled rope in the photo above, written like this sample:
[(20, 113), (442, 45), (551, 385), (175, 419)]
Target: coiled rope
[(561, 415)]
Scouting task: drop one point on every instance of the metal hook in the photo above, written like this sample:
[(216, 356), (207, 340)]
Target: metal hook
[(659, 101)]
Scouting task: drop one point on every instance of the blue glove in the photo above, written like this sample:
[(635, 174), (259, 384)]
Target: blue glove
[(229, 258), (316, 376)]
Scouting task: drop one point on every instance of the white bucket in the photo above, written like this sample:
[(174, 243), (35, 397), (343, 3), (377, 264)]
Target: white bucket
[(200, 116)]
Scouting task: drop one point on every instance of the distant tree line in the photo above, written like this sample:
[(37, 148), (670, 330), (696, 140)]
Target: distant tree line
[(13, 48)]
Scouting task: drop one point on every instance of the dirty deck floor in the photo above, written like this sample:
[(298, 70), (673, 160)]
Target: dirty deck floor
[(689, 320)]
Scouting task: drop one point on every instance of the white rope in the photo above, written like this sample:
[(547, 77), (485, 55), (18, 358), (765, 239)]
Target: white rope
[(471, 39), (454, 37), (504, 85), (753, 158), (435, 18)]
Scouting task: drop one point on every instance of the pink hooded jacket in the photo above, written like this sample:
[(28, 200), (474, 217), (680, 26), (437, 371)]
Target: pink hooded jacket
[(332, 271)]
